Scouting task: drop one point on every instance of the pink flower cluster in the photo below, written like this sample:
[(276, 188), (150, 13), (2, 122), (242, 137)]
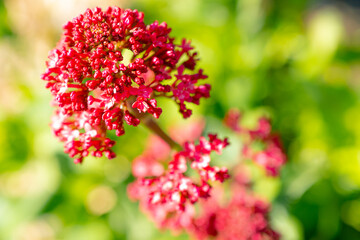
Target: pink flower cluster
[(108, 68), (167, 194), (244, 217), (79, 144), (272, 156)]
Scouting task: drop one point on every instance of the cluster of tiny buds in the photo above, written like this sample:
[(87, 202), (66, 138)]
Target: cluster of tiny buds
[(172, 189), (79, 144), (272, 156), (109, 67)]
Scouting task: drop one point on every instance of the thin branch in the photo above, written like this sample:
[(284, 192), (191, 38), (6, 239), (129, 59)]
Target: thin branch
[(151, 124)]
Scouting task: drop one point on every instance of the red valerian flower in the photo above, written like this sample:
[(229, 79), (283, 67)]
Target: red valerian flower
[(109, 64), (272, 156), (167, 195), (244, 217)]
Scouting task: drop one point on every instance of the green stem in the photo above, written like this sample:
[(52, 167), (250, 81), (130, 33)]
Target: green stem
[(151, 124)]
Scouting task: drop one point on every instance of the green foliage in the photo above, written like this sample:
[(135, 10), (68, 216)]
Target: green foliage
[(294, 61)]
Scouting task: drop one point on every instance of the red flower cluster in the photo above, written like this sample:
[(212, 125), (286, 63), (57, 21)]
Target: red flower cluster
[(244, 217), (109, 64), (110, 67), (168, 195), (272, 156)]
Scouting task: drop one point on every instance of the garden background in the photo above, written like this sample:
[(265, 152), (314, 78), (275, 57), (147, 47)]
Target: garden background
[(295, 61)]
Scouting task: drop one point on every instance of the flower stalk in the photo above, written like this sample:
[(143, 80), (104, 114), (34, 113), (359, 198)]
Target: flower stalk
[(149, 122)]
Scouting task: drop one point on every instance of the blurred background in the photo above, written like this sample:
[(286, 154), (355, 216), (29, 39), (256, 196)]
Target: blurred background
[(296, 61)]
